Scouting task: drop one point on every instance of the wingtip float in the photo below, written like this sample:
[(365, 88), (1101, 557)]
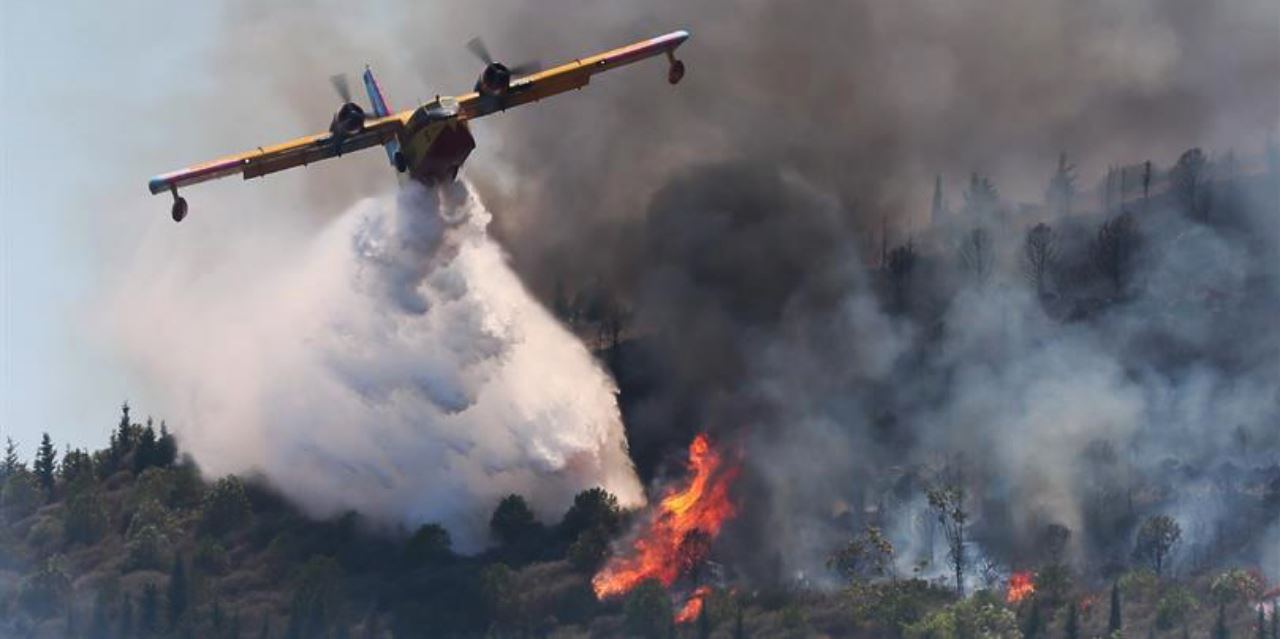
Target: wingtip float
[(429, 143)]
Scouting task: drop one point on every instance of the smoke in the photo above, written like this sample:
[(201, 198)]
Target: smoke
[(741, 215), (394, 365)]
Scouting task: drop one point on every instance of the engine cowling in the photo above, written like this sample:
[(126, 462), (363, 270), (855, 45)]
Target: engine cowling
[(494, 81), (349, 120)]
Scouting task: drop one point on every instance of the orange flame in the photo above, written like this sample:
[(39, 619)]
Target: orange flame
[(693, 607), (660, 551), (1021, 586)]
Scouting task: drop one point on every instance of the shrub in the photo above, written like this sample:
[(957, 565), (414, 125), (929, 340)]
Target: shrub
[(146, 549), (45, 533), (1174, 608), (210, 557), (43, 592), (647, 612), (978, 616), (85, 518), (20, 496), (1236, 585), (151, 513), (893, 604), (430, 544), (225, 507), (1139, 583)]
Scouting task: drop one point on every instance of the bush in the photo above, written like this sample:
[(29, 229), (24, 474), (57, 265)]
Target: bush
[(85, 519), (647, 612), (43, 592), (591, 509), (1175, 608), (512, 521), (45, 533), (225, 507), (978, 616), (146, 549), (210, 557), (20, 496), (1139, 583), (894, 604), (1236, 585), (430, 544), (151, 513)]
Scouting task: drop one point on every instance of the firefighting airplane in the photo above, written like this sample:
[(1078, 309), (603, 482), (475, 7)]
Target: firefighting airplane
[(429, 143)]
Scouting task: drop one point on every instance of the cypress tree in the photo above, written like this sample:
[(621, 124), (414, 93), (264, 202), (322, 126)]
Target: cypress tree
[(1034, 622), (98, 626), (1275, 619), (739, 632), (177, 591), (1220, 630), (46, 462), (125, 628), (1114, 621), (1072, 627), (1262, 623), (265, 633), (144, 454), (11, 463), (150, 609), (166, 447), (704, 622)]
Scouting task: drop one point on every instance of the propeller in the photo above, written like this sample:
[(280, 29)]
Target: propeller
[(342, 86), (477, 48)]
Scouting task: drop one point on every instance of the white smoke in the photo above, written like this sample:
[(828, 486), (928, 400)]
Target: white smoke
[(394, 365)]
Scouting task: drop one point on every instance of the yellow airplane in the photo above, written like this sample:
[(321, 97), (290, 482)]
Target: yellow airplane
[(429, 143)]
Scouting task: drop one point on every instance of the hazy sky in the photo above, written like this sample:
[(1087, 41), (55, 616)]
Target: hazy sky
[(75, 79), (97, 97)]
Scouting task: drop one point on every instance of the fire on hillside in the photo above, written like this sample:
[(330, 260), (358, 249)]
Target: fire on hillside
[(674, 539)]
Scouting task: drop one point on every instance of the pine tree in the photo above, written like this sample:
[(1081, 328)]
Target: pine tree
[(98, 626), (1220, 630), (45, 464), (166, 447), (149, 612), (1072, 629), (1034, 622), (177, 591), (11, 462), (125, 627), (1114, 621), (144, 454)]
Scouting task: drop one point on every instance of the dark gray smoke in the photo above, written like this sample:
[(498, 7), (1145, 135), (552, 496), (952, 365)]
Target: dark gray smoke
[(738, 215), (743, 216)]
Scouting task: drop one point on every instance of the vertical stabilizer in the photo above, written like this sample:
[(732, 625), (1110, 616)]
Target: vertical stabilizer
[(380, 109)]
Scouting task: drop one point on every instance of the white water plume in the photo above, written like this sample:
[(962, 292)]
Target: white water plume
[(395, 365)]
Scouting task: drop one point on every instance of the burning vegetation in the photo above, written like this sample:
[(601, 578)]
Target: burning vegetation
[(673, 541)]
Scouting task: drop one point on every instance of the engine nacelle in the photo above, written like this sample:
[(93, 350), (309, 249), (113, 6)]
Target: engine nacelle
[(349, 120), (494, 81)]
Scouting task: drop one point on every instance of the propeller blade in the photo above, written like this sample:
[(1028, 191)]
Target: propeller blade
[(342, 86), (476, 47), (528, 68)]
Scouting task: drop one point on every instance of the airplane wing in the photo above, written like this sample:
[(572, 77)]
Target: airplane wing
[(570, 76), (270, 159)]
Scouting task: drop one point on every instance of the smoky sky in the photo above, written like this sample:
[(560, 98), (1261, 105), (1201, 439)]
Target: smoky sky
[(737, 214)]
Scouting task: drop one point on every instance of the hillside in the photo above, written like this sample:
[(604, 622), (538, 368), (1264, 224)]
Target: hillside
[(131, 541)]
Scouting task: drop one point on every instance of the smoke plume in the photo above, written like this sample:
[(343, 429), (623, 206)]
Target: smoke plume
[(395, 365)]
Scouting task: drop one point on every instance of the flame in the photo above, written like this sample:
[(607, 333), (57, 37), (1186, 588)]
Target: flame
[(701, 507), (1021, 586), (693, 607)]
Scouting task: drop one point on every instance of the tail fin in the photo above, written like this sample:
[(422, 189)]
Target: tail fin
[(380, 109)]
